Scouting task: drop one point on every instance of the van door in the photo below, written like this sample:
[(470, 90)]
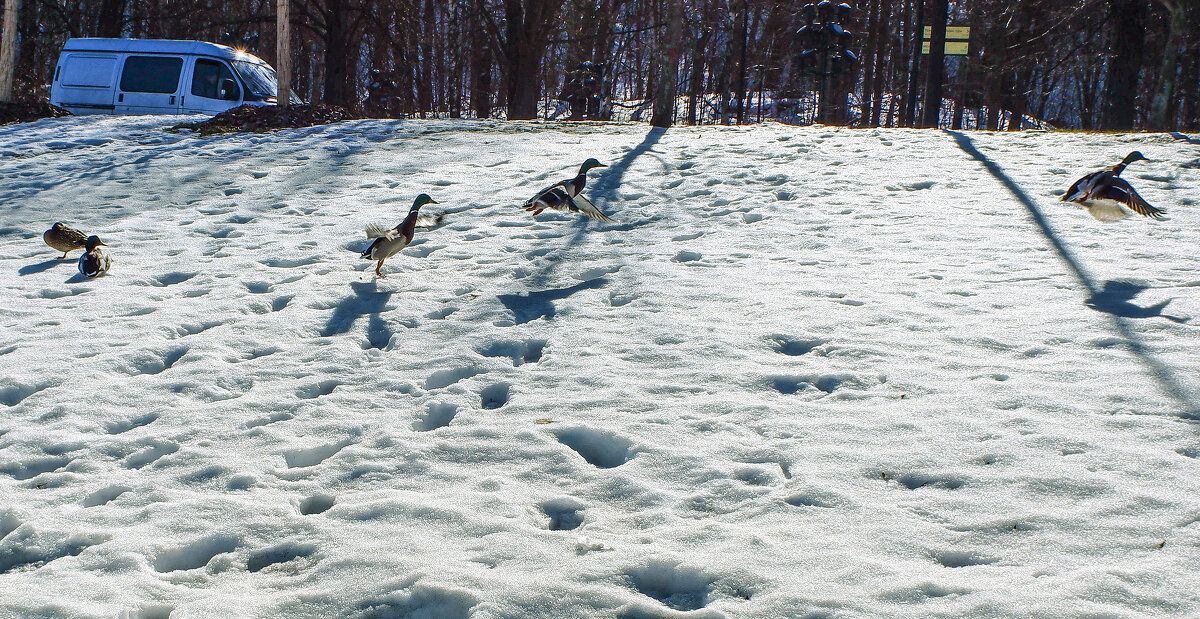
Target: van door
[(150, 85), (83, 83), (213, 89)]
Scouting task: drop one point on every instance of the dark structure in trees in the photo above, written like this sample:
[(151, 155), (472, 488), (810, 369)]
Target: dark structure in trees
[(1111, 64)]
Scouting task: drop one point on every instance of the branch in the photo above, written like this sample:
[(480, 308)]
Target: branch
[(607, 34)]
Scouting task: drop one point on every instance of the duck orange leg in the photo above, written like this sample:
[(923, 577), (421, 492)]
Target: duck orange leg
[(377, 267)]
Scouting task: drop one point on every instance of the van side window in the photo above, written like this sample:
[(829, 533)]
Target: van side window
[(214, 80), (151, 74), (89, 71)]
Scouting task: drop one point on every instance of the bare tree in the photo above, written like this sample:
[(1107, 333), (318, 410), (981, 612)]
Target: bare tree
[(1161, 112), (664, 99), (283, 53), (8, 49)]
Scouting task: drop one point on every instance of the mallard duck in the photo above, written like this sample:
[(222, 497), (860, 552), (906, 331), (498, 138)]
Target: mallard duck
[(1104, 193), (64, 238), (389, 241), (94, 262), (565, 196)]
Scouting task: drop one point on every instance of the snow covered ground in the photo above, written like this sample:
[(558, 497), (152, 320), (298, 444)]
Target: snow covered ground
[(809, 372)]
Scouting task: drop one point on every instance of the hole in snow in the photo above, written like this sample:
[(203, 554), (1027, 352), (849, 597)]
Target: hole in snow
[(565, 513), (494, 396), (439, 416), (600, 449), (195, 555), (316, 504), (678, 587)]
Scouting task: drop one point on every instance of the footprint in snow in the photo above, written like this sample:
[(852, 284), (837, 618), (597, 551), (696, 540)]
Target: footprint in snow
[(194, 555), (494, 396), (676, 586), (600, 449), (439, 415)]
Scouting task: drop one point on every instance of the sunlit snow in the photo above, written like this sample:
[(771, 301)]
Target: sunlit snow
[(807, 371)]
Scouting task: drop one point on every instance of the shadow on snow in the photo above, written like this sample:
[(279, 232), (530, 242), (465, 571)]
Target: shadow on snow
[(531, 306), (368, 301), (1113, 299)]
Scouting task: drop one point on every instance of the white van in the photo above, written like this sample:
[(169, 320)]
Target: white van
[(148, 76)]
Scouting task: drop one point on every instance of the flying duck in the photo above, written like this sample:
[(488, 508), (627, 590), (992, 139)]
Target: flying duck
[(566, 196), (94, 262), (64, 238), (1104, 193), (389, 241)]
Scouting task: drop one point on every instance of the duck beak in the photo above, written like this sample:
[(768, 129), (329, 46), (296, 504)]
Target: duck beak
[(434, 202), (102, 243)]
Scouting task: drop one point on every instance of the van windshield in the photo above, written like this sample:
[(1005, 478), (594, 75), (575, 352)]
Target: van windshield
[(260, 80)]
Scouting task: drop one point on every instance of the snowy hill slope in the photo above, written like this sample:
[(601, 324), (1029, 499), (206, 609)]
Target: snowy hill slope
[(808, 372)]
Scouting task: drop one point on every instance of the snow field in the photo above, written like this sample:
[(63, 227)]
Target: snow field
[(808, 372)]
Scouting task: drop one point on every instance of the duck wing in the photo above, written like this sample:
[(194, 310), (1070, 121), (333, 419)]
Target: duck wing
[(562, 188), (430, 221), (1121, 191), (380, 232), (554, 198), (581, 204), (1082, 188)]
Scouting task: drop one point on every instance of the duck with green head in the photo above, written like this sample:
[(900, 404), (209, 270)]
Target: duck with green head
[(1106, 195), (566, 196), (94, 262), (388, 241)]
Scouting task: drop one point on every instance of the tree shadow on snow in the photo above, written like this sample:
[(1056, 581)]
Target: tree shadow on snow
[(1113, 299), (368, 301), (533, 305), (603, 188)]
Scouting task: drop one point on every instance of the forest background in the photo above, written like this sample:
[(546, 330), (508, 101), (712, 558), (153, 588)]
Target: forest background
[(1083, 64)]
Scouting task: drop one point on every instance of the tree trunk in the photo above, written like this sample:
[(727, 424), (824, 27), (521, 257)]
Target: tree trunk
[(668, 69), (283, 51), (871, 63), (742, 42), (110, 19), (425, 59), (526, 25), (481, 68), (696, 80), (937, 64), (917, 30), (881, 70), (1162, 110), (1127, 18), (8, 49), (1018, 101), (335, 53)]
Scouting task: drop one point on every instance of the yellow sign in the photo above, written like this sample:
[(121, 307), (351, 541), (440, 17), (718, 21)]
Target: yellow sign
[(953, 33), (953, 48)]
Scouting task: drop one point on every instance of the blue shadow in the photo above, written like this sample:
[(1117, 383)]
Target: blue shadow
[(367, 300), (30, 269), (533, 305), (1113, 299), (1116, 299), (603, 187)]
